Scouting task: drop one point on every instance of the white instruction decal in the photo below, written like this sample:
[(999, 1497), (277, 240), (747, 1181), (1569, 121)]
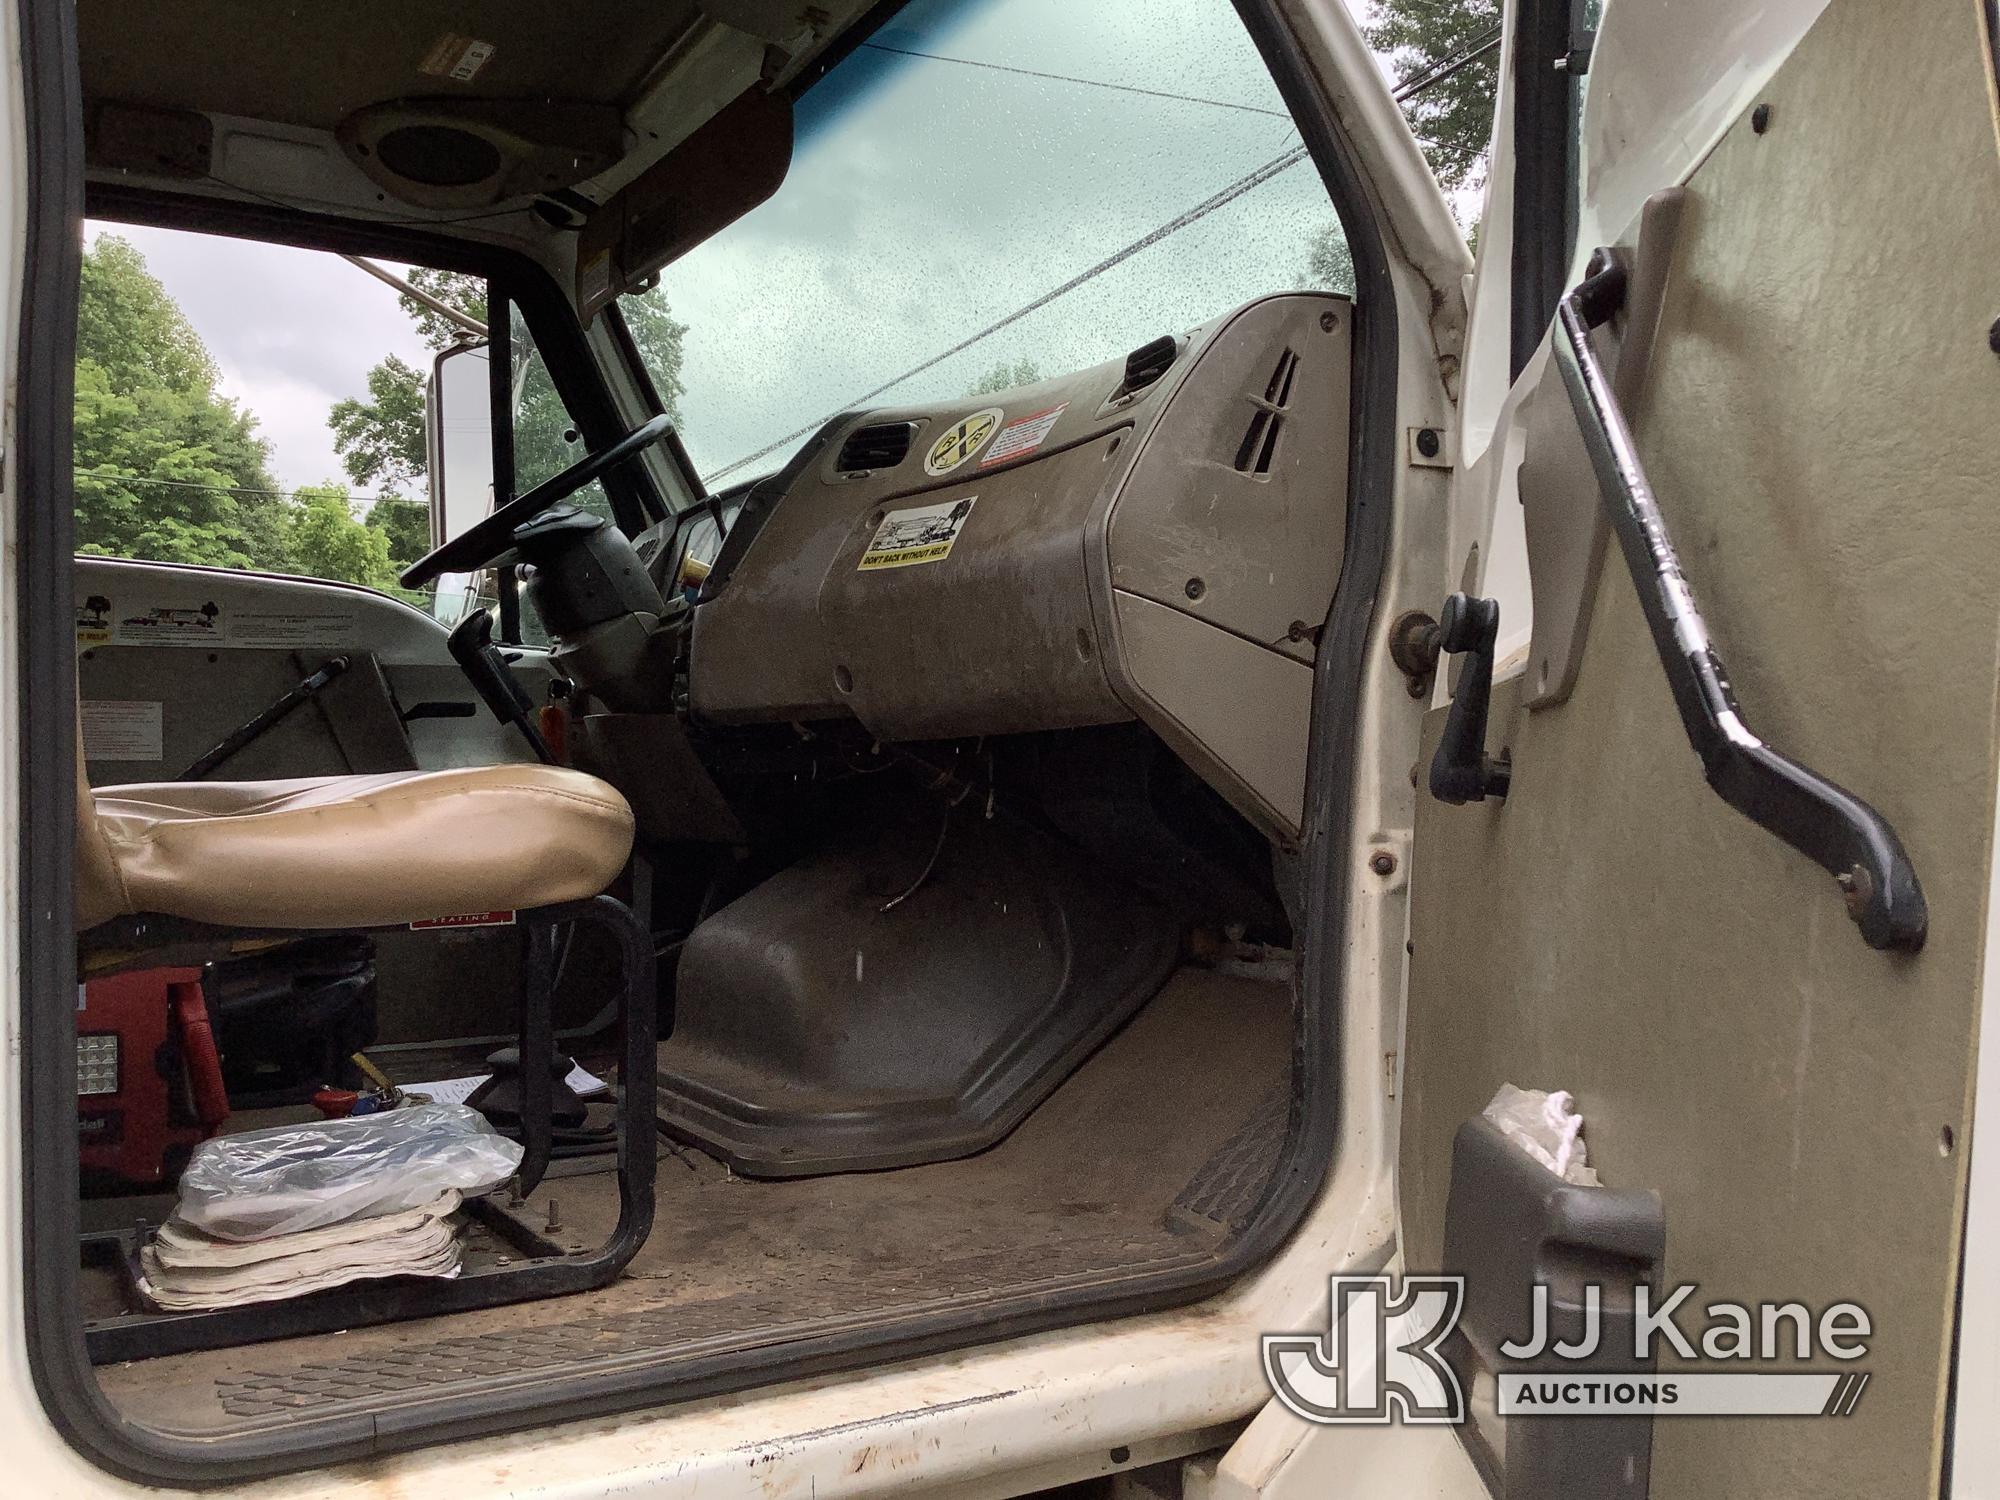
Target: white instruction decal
[(122, 729), (456, 57), (288, 628), (593, 280), (961, 440), (923, 534), (169, 625), (1022, 436)]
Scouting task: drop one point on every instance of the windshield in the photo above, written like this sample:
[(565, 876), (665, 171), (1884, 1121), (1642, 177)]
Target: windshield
[(984, 193)]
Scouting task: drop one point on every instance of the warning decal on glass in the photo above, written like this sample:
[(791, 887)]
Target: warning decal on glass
[(922, 534)]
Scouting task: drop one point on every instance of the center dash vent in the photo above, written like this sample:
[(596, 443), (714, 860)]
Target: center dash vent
[(1260, 441), (882, 446)]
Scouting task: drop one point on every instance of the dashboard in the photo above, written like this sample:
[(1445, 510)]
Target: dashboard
[(1157, 537)]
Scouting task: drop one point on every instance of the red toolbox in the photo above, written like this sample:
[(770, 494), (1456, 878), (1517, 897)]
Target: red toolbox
[(148, 1078)]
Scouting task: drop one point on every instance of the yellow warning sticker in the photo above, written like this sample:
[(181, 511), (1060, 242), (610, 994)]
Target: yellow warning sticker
[(922, 534), (961, 440), (93, 621)]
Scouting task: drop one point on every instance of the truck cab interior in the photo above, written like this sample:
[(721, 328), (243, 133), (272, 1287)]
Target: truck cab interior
[(843, 797)]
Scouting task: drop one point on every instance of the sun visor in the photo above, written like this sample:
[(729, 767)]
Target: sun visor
[(707, 182)]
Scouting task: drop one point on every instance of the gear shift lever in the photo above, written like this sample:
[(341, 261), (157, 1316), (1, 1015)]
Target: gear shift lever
[(471, 646)]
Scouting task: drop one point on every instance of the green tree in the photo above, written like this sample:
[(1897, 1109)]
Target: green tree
[(455, 289), (1453, 118), (381, 440), (130, 328), (169, 470), (1004, 377), (406, 524), (658, 336), (326, 540), (166, 468), (1329, 263)]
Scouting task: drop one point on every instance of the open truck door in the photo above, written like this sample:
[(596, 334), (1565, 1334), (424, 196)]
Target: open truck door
[(1717, 860)]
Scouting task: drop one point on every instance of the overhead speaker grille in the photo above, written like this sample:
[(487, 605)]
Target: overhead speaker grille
[(438, 155)]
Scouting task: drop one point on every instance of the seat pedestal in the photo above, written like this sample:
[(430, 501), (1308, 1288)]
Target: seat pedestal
[(540, 1274)]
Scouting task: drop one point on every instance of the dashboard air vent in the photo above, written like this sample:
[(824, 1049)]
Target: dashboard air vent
[(1149, 362), (882, 446), (1260, 441), (1143, 366)]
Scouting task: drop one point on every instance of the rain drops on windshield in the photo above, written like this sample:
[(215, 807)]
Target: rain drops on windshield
[(987, 192)]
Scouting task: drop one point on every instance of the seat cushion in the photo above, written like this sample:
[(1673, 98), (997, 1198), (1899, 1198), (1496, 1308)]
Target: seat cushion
[(356, 851)]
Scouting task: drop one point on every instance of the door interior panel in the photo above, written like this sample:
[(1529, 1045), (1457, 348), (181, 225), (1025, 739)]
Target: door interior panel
[(1818, 423)]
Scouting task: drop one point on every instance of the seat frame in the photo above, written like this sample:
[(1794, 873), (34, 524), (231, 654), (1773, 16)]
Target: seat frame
[(547, 1271)]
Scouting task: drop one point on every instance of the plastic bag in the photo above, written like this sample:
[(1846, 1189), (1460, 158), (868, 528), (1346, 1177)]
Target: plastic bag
[(1548, 1128), (294, 1177)]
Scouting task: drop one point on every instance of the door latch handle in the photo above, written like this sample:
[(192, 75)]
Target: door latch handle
[(1462, 771)]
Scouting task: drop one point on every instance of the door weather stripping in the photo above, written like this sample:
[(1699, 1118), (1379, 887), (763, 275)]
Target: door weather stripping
[(1827, 824)]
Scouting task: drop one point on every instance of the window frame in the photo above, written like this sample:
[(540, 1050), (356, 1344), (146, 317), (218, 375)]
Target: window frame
[(1546, 164), (634, 364), (558, 337), (64, 1379)]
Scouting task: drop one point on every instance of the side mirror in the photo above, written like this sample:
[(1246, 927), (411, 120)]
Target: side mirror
[(458, 423)]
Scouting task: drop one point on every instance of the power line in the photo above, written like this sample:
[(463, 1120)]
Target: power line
[(1444, 68), (1437, 73), (1174, 225), (1094, 83)]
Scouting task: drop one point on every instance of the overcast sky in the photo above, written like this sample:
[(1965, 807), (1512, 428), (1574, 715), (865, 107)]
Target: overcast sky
[(927, 199), (293, 330)]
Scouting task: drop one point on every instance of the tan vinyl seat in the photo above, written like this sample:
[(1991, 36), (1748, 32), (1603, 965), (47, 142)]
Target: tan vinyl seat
[(347, 851)]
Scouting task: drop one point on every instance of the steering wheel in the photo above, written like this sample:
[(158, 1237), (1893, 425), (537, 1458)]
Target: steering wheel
[(480, 545)]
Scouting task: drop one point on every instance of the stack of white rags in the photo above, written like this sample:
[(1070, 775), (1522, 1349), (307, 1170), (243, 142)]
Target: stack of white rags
[(300, 1208)]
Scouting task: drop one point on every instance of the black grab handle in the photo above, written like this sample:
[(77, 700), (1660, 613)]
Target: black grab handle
[(1829, 825)]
